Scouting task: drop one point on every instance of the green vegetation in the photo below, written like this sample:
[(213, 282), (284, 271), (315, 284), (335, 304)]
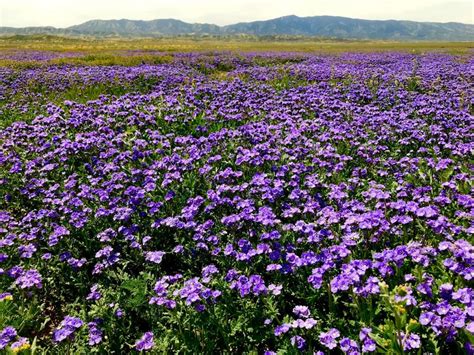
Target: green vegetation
[(110, 51)]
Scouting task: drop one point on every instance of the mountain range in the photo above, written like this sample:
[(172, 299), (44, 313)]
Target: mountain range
[(320, 26)]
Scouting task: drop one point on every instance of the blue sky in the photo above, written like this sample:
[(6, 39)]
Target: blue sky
[(61, 13)]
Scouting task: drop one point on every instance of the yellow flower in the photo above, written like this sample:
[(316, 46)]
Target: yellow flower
[(400, 309), (23, 344), (413, 321), (8, 298)]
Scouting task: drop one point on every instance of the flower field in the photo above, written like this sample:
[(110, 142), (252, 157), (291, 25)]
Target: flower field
[(215, 203)]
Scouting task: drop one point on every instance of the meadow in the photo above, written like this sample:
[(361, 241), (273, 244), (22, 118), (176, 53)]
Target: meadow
[(266, 197)]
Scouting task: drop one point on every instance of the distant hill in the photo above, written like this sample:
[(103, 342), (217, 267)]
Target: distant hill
[(321, 26), (343, 27), (144, 28), (48, 30)]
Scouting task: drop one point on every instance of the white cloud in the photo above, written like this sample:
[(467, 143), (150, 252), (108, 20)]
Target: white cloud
[(61, 13)]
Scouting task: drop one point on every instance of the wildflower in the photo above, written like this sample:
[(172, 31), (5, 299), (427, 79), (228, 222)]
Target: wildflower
[(298, 341), (281, 329), (20, 345), (410, 341), (7, 335), (154, 256), (67, 328), (30, 278), (328, 339), (94, 293), (145, 342), (6, 296), (302, 311), (95, 334)]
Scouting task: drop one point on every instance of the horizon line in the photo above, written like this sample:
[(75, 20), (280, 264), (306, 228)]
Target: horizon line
[(235, 23)]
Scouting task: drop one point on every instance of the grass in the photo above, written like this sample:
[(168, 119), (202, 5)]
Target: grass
[(109, 51)]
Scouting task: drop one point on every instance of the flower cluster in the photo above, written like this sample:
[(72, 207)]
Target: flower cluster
[(224, 202), (67, 328)]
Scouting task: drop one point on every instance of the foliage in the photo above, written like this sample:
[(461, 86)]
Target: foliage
[(236, 203)]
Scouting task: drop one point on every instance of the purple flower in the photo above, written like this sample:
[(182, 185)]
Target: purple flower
[(369, 346), (427, 317), (30, 278), (301, 311), (145, 342), (470, 327), (207, 272), (200, 307), (281, 174), (281, 329), (46, 256), (94, 293), (364, 333), (7, 335), (428, 212), (95, 334), (26, 251), (328, 339), (154, 256), (123, 214), (72, 322), (410, 341), (348, 345), (275, 289), (298, 341), (178, 249), (61, 334), (67, 328), (309, 323), (445, 291), (469, 347)]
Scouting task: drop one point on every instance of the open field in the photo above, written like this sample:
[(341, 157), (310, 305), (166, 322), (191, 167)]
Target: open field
[(155, 196), (110, 51)]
